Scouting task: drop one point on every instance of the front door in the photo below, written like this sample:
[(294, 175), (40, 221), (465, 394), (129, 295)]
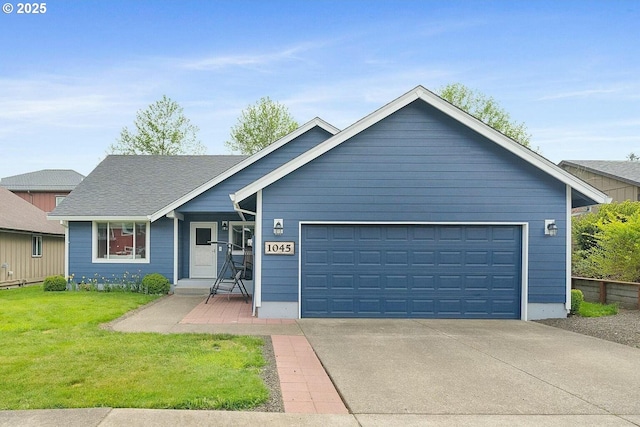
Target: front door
[(203, 254)]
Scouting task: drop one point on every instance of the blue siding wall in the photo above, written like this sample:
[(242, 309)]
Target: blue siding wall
[(161, 251), (217, 198), (419, 165)]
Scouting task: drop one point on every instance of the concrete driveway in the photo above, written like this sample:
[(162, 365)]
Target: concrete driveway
[(454, 372)]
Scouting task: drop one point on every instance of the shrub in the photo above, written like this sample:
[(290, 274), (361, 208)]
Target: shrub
[(156, 283), (55, 283), (576, 300)]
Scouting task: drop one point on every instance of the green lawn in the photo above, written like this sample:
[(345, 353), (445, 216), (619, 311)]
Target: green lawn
[(593, 309), (54, 355)]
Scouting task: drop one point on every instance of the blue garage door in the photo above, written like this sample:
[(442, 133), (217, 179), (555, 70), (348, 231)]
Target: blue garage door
[(411, 271)]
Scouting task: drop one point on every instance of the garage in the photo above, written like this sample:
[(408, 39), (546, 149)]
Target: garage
[(411, 271)]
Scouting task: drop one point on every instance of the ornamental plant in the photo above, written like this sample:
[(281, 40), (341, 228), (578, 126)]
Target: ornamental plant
[(55, 283), (156, 283), (577, 298)]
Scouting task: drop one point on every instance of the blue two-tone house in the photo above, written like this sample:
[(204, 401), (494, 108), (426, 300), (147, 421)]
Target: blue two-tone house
[(417, 210)]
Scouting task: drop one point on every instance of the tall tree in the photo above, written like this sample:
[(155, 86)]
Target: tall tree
[(485, 109), (160, 129), (259, 125)]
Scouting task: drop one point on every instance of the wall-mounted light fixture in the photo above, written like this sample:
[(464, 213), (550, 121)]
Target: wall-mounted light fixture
[(278, 227), (225, 225), (550, 227)]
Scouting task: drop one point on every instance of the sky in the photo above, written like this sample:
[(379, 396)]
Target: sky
[(72, 77)]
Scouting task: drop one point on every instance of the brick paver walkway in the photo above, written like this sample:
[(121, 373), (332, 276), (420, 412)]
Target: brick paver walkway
[(305, 385)]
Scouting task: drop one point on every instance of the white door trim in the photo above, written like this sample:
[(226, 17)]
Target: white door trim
[(192, 237)]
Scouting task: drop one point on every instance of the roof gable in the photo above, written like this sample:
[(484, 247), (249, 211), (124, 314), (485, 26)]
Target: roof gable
[(43, 180), (420, 93), (316, 122), (19, 215), (149, 187)]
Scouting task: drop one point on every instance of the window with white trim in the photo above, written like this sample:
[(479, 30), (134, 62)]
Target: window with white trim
[(121, 241), (36, 246), (241, 235)]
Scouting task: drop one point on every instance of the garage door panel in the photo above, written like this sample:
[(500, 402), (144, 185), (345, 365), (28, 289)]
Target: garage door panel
[(425, 271)]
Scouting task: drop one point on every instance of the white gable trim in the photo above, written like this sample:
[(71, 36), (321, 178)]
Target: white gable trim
[(246, 162), (435, 101)]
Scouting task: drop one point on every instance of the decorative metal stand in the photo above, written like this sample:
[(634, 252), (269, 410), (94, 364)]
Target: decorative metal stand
[(226, 282)]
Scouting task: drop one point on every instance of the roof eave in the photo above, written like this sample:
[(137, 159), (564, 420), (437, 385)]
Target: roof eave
[(87, 218), (245, 163), (447, 108)]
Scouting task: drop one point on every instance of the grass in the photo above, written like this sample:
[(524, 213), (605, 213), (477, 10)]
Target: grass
[(591, 309), (54, 355)]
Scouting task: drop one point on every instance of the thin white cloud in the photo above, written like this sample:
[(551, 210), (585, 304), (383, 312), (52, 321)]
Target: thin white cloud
[(248, 60), (578, 94)]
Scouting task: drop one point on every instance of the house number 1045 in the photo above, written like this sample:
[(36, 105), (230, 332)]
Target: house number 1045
[(279, 248)]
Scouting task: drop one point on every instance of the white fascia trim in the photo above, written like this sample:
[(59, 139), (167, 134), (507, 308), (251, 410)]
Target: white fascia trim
[(246, 162), (512, 146), (524, 279), (435, 101)]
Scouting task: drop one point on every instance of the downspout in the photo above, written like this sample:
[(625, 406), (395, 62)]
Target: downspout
[(65, 224), (256, 263)]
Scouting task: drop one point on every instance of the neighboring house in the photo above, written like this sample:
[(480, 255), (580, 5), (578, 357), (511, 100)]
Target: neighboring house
[(416, 210), (44, 189), (31, 247), (618, 179)]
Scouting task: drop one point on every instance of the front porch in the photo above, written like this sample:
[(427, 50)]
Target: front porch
[(195, 287)]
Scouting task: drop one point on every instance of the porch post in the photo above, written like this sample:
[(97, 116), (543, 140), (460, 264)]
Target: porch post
[(257, 255)]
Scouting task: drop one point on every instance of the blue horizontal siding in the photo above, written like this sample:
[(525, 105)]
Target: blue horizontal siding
[(217, 198), (419, 165), (81, 265)]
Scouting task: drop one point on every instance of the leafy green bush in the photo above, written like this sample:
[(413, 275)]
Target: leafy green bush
[(607, 243), (156, 283), (55, 283), (576, 300)]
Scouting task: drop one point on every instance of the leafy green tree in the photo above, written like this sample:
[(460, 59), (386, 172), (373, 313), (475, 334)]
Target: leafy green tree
[(160, 129), (259, 125), (485, 109), (607, 243)]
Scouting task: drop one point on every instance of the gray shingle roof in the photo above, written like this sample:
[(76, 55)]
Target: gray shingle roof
[(622, 170), (140, 185), (44, 180), (18, 214)]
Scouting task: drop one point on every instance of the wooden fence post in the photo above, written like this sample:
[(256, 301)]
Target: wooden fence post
[(603, 293)]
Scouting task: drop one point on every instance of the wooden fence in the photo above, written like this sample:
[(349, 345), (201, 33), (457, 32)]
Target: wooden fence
[(625, 294)]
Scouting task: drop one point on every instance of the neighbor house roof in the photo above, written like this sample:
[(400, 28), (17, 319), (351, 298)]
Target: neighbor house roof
[(149, 187), (622, 170), (44, 180), (136, 186), (582, 193), (16, 214)]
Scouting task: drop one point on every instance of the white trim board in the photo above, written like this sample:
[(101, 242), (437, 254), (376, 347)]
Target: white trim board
[(245, 163), (435, 101), (524, 274)]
